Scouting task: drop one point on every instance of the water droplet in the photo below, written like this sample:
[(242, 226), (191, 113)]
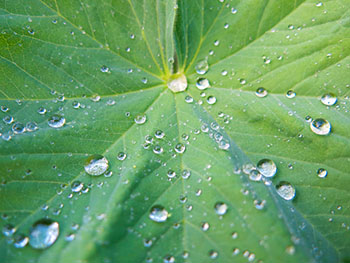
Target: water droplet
[(180, 148), (43, 234), (322, 173), (121, 156), (105, 69), (255, 175), (213, 254), (158, 213), (221, 208), (329, 99), (188, 99), (169, 259), (177, 83), (31, 126), (171, 174), (42, 111), (18, 128), (211, 100), (290, 94), (157, 149), (70, 237), (20, 241), (320, 126), (77, 186), (267, 167), (56, 121), (140, 119), (96, 165), (8, 230), (186, 174), (205, 226), (8, 119), (202, 83), (285, 190), (159, 134), (261, 92), (202, 67)]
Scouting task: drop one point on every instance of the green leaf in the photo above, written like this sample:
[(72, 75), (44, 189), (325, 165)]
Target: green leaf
[(103, 68)]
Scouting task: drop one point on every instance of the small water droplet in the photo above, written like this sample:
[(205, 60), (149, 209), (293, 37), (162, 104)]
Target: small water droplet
[(56, 121), (202, 67), (18, 128), (96, 165), (261, 92), (8, 230), (211, 100), (221, 208), (159, 134), (105, 69), (180, 148), (140, 119), (322, 173), (77, 186), (121, 156), (255, 175), (202, 83), (205, 226), (158, 214), (43, 234), (290, 94), (20, 241)]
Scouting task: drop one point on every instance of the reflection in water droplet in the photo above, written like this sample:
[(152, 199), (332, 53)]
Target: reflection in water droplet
[(267, 167), (255, 175), (202, 83), (322, 173), (18, 128), (20, 241), (177, 83), (320, 126), (180, 148), (329, 99), (202, 67), (140, 119), (158, 213), (56, 121), (221, 208), (290, 94), (211, 100), (96, 165), (8, 230), (121, 156), (261, 92), (43, 233), (77, 186), (285, 190)]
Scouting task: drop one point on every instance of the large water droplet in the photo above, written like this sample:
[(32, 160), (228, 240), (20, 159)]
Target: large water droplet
[(158, 213), (177, 83), (43, 233), (221, 208), (320, 126), (96, 165), (202, 83), (285, 190), (267, 167), (329, 99), (56, 121)]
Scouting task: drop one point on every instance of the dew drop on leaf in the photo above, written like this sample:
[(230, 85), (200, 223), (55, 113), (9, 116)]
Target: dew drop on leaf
[(205, 226), (261, 92), (329, 99), (255, 175), (320, 126), (180, 148), (202, 67), (221, 208), (8, 230), (56, 121), (96, 165), (177, 83), (140, 119), (285, 190), (202, 83), (322, 173), (158, 214), (159, 134), (43, 234), (18, 128), (267, 167), (77, 186), (211, 100), (20, 241), (290, 94)]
